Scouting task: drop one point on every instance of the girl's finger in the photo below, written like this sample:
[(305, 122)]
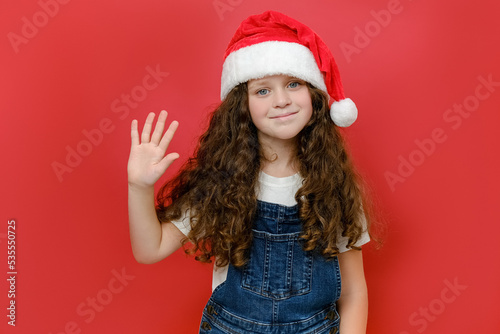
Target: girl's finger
[(134, 134), (160, 126), (167, 161), (169, 134), (146, 131)]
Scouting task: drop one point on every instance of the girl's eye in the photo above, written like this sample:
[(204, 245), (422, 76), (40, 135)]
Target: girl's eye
[(262, 92), (294, 84)]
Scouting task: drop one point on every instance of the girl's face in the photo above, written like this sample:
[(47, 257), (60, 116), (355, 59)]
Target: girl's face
[(280, 106)]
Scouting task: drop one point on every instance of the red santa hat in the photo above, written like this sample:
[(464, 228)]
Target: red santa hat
[(272, 43)]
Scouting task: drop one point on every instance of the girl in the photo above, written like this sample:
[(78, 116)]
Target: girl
[(270, 193)]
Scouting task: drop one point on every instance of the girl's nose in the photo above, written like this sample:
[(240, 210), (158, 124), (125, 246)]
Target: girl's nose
[(281, 98)]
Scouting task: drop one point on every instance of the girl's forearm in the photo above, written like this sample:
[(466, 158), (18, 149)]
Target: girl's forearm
[(145, 229), (353, 311)]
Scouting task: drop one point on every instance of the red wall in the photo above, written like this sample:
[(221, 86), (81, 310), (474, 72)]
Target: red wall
[(424, 74)]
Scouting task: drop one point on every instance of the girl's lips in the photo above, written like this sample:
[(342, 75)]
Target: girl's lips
[(284, 115)]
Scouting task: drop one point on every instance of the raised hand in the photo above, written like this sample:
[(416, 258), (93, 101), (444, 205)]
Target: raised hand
[(147, 161)]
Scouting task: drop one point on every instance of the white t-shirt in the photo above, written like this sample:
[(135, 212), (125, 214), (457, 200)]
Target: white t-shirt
[(278, 190)]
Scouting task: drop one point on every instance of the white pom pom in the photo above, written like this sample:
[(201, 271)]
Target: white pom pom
[(344, 112)]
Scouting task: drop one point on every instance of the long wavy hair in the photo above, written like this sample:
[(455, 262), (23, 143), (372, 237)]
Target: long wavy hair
[(216, 187)]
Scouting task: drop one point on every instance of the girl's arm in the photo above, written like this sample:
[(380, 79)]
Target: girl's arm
[(353, 301), (151, 240)]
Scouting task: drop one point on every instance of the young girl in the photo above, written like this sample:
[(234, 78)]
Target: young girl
[(270, 193)]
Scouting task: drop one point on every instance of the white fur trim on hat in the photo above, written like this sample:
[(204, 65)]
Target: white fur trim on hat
[(270, 58), (344, 112)]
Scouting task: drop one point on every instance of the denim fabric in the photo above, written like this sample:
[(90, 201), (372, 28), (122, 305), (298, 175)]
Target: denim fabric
[(282, 289)]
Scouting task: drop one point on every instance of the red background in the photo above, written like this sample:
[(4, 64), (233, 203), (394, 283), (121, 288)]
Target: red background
[(439, 218)]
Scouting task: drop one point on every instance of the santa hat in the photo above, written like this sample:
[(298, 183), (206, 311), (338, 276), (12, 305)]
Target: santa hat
[(272, 43)]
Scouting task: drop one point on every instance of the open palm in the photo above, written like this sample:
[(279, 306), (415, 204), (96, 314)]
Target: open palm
[(147, 161)]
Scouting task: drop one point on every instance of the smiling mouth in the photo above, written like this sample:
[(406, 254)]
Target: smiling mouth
[(284, 115)]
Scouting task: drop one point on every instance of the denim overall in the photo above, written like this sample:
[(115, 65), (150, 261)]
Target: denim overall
[(282, 289)]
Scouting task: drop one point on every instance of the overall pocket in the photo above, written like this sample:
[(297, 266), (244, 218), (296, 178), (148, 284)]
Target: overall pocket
[(278, 268)]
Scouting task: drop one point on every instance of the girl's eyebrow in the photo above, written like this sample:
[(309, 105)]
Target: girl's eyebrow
[(264, 81), (258, 82)]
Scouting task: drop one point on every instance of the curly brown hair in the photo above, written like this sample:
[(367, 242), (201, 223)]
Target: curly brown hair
[(217, 185)]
